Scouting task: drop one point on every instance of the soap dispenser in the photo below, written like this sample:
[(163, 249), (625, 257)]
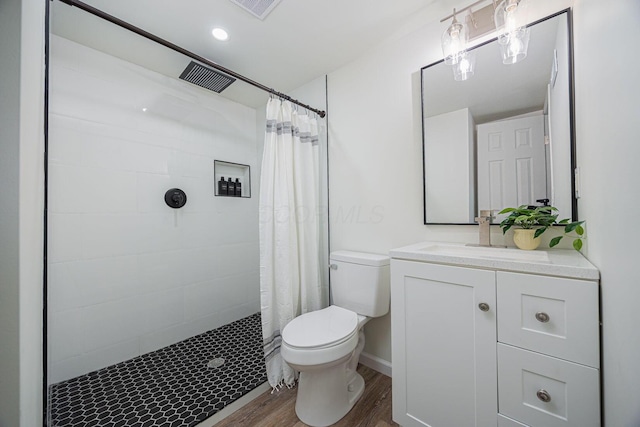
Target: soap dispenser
[(222, 187), (238, 188), (231, 188)]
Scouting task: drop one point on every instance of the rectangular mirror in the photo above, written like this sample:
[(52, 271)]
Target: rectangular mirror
[(505, 136)]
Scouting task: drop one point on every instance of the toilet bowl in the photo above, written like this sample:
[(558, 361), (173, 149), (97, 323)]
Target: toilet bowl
[(325, 345)]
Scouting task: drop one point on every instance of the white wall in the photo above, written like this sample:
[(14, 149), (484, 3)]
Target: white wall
[(375, 147), (21, 226), (128, 274), (608, 129)]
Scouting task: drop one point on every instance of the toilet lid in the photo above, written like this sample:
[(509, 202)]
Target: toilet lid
[(321, 328)]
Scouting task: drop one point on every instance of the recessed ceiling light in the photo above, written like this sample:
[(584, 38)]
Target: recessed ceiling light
[(220, 34)]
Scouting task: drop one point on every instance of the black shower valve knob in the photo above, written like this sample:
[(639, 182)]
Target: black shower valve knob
[(175, 198)]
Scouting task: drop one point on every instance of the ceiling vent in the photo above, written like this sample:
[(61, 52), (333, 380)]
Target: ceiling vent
[(206, 77), (258, 8)]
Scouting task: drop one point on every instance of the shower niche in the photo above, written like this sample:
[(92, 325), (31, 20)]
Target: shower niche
[(227, 176)]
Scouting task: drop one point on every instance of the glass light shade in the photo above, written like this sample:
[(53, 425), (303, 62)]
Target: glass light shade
[(465, 67), (514, 45), (513, 34), (511, 15), (454, 42)]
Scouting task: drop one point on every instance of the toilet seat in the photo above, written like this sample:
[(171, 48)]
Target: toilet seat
[(323, 337), (321, 329)]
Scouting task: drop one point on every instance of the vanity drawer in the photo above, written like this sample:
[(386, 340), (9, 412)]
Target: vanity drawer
[(550, 315), (527, 379), (508, 422)]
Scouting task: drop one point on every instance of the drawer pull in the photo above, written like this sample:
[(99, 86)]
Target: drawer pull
[(483, 306), (542, 317), (544, 396)]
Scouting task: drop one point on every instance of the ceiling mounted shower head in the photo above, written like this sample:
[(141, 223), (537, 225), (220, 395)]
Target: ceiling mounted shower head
[(206, 77)]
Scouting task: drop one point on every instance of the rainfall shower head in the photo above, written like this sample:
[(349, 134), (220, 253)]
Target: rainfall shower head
[(206, 77)]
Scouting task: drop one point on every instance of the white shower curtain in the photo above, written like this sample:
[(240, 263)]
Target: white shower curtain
[(289, 229)]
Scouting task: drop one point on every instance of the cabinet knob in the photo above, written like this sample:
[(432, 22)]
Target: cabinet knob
[(483, 306), (543, 395), (542, 317)]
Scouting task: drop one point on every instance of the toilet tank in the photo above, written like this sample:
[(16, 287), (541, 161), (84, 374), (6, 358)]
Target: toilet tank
[(360, 282)]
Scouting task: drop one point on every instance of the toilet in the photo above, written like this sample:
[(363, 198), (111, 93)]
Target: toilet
[(325, 345)]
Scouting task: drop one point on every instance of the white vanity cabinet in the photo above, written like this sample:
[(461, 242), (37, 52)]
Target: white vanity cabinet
[(480, 346)]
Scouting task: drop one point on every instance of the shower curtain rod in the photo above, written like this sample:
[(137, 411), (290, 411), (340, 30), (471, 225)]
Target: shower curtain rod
[(100, 14)]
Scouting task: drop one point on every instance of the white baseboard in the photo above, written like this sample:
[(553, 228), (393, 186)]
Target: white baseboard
[(376, 363), (230, 409)]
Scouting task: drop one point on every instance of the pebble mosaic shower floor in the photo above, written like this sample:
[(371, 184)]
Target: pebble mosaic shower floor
[(173, 386)]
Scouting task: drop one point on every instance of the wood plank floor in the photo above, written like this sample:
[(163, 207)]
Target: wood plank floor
[(278, 409)]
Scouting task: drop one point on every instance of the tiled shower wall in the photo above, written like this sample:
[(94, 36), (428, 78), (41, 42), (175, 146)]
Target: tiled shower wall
[(127, 274)]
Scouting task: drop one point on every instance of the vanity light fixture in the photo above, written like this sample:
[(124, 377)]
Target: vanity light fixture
[(508, 17), (454, 41), (513, 34)]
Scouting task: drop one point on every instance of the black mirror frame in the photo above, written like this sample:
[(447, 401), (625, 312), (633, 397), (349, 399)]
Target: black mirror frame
[(572, 127)]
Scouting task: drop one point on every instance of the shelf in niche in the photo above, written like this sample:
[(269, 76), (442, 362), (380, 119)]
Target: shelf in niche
[(234, 171)]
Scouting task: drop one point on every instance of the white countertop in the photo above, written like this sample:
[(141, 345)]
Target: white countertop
[(553, 262)]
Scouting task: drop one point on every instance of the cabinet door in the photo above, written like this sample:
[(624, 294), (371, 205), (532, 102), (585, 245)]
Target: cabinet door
[(444, 345)]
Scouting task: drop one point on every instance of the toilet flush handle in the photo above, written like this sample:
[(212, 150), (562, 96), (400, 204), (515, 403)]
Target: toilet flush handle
[(333, 266)]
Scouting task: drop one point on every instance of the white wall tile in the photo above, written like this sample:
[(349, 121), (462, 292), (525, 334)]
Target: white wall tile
[(129, 266), (164, 337), (107, 235), (65, 145), (65, 242), (110, 323), (201, 229), (160, 271), (233, 259), (198, 166), (91, 190), (205, 298), (65, 369), (157, 231), (238, 312), (105, 279), (151, 189), (66, 326), (110, 355), (64, 292), (204, 324), (91, 361), (159, 310)]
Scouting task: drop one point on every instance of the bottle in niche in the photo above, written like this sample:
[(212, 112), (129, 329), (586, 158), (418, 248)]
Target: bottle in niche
[(231, 187), (238, 188), (222, 187)]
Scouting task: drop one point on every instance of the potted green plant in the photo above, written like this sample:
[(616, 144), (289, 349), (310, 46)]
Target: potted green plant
[(530, 222)]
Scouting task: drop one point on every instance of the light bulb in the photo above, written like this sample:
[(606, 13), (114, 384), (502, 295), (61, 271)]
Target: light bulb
[(454, 41), (464, 66), (515, 46)]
